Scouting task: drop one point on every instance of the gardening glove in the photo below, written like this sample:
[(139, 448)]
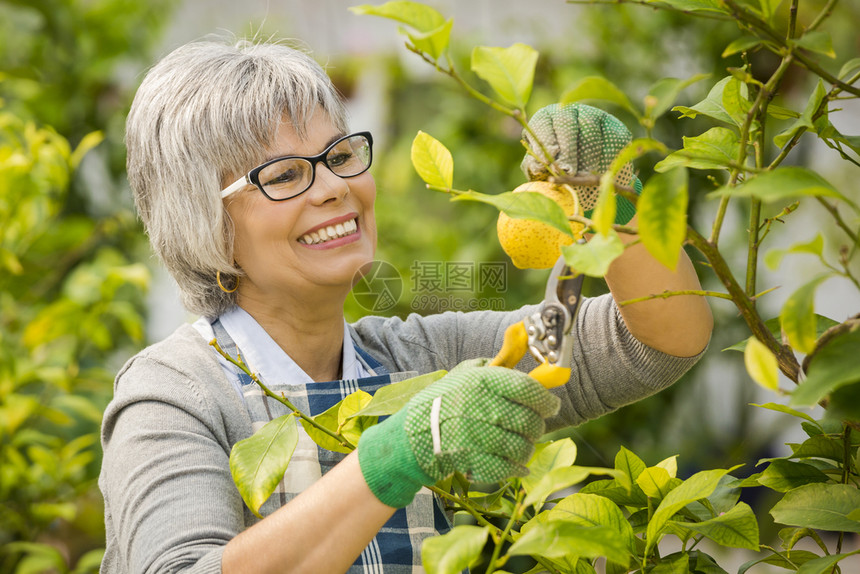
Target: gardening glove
[(477, 420), (582, 140)]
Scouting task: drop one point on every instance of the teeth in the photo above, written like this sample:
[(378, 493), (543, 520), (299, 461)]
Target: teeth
[(330, 232)]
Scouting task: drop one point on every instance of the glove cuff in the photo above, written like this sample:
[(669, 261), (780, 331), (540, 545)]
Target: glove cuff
[(388, 464)]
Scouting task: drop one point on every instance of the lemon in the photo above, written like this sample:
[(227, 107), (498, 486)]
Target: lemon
[(532, 244)]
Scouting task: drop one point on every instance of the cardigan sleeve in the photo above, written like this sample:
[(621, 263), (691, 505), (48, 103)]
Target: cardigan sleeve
[(170, 501), (610, 367)]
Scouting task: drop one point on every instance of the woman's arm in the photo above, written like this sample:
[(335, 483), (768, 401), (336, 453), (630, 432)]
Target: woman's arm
[(679, 325), (324, 529), (171, 504)]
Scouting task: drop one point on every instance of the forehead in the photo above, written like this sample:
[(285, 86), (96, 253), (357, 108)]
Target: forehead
[(311, 139)]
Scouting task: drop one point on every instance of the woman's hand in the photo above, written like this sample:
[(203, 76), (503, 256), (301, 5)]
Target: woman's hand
[(585, 140), (477, 420)]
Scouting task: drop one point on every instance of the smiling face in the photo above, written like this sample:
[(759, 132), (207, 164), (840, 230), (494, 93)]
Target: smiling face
[(311, 245)]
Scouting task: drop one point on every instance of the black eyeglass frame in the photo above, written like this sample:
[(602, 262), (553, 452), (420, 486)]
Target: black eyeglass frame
[(253, 176)]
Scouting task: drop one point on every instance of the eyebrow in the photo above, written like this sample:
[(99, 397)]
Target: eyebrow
[(328, 143)]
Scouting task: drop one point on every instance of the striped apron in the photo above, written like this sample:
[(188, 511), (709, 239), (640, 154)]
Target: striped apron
[(396, 549)]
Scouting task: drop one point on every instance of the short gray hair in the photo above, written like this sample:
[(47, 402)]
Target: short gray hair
[(207, 111)]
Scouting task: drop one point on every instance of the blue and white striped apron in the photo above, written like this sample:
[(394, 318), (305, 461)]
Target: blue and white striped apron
[(396, 549)]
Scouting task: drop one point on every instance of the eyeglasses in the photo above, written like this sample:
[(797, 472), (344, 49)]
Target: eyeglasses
[(287, 177)]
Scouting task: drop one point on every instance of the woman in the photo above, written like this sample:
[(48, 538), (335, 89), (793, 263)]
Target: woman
[(257, 198)]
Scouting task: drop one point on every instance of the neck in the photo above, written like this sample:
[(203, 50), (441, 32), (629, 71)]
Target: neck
[(309, 330)]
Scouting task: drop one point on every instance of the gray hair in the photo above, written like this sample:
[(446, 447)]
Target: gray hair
[(206, 112)]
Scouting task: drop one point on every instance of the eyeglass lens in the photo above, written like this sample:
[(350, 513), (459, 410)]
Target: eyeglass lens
[(289, 177)]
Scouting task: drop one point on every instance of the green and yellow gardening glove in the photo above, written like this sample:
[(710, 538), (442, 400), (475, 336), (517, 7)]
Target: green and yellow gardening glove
[(477, 420), (583, 140)]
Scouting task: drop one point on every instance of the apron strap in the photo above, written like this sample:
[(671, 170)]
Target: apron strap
[(371, 364), (225, 341)]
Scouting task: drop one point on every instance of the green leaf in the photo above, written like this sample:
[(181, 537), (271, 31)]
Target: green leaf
[(789, 411), (455, 551), (822, 324), (595, 257), (655, 482), (844, 404), (560, 538), (606, 207), (604, 211), (509, 71), (662, 210), (547, 457), (818, 446), (629, 464), (736, 528), (433, 42), (795, 558), (815, 247), (768, 8), (781, 113), (677, 563), (352, 426), (824, 564), (38, 557), (711, 106), (820, 506), (834, 365), (599, 88), (432, 161), (523, 205), (391, 398), (419, 16), (717, 148), (780, 184), (553, 481), (742, 44), (693, 5), (761, 364), (328, 420), (592, 510), (784, 475), (817, 41), (258, 463), (698, 486), (805, 121), (797, 317), (849, 68), (664, 92), (735, 101), (90, 562)]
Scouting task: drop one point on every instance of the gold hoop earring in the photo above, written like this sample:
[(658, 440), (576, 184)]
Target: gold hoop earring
[(221, 285)]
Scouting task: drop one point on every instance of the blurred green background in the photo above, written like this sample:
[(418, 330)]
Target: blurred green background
[(80, 291)]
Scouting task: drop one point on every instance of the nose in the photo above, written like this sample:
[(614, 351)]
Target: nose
[(327, 186)]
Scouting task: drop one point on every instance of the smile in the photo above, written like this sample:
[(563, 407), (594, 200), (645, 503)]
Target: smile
[(330, 233)]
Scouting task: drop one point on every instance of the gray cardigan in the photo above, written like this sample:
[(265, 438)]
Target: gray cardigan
[(170, 502)]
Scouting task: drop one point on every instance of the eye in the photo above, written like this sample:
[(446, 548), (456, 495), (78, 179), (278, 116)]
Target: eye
[(288, 175), (339, 157)]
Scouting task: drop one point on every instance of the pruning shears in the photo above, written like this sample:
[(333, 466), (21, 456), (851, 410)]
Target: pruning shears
[(546, 333)]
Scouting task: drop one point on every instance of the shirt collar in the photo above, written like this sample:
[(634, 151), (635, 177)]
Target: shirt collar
[(264, 357)]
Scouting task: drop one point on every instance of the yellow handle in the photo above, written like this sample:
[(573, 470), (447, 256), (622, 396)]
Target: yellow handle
[(515, 345)]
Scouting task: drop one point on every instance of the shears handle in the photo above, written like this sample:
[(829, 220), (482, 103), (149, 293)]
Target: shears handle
[(514, 347)]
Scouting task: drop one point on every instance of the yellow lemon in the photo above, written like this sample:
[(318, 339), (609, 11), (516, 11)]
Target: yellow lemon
[(532, 244)]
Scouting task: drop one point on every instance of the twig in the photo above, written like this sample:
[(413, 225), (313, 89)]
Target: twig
[(343, 441), (653, 6), (667, 294), (785, 356)]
